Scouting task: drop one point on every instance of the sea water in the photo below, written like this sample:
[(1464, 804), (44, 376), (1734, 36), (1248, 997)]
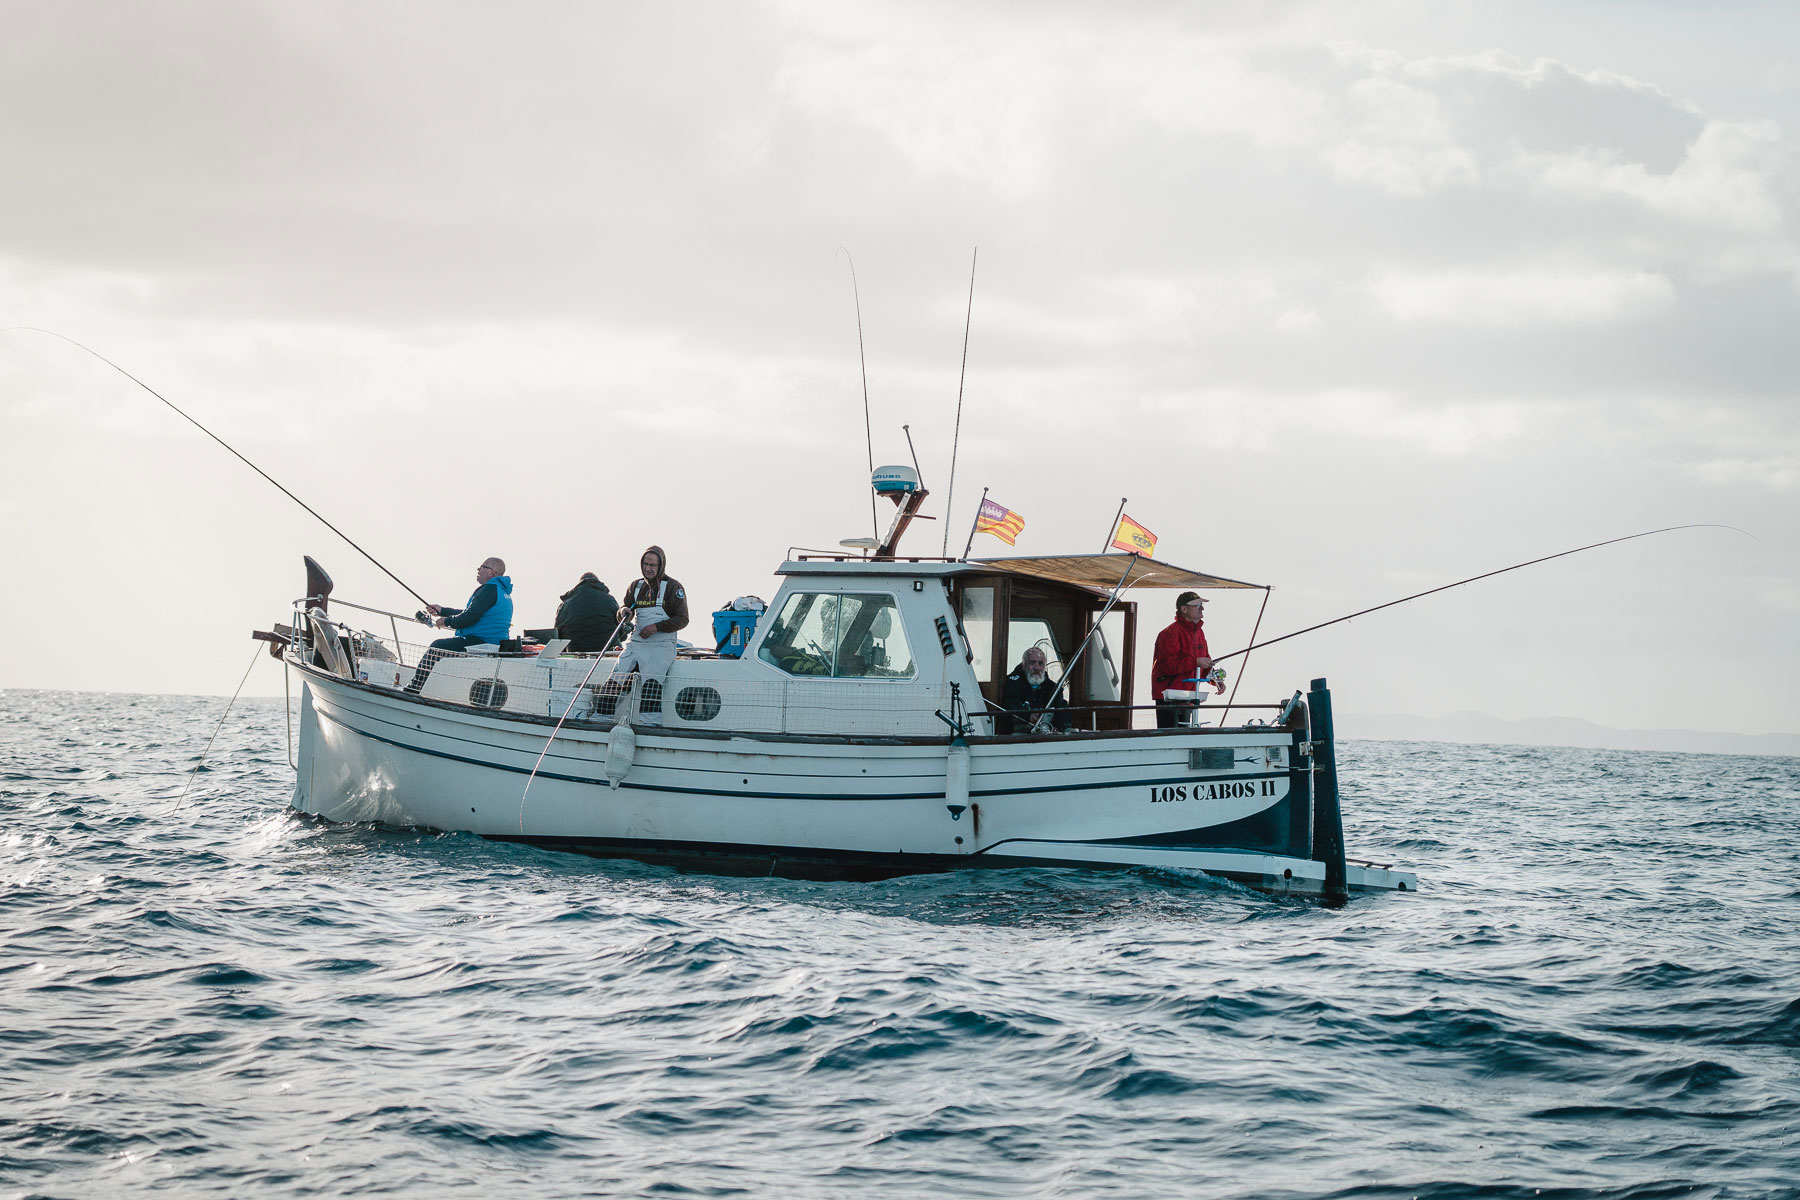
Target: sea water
[(1595, 993)]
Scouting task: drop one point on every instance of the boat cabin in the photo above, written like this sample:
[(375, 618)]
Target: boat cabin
[(847, 617)]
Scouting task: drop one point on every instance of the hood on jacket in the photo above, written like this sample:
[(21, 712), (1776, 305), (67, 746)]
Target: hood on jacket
[(505, 582), (662, 561)]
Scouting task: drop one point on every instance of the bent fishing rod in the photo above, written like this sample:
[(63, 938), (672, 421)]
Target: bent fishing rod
[(215, 437), (1472, 579)]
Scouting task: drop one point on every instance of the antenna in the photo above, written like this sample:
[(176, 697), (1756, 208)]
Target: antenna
[(907, 430), (956, 438), (862, 358)]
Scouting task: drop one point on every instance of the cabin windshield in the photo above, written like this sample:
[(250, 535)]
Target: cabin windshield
[(978, 630), (1025, 633), (1105, 673), (839, 635)]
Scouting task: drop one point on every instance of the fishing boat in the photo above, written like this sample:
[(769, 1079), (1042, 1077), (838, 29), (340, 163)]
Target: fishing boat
[(854, 729)]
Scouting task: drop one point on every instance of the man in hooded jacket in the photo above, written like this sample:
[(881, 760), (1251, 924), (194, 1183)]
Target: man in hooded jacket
[(656, 606)]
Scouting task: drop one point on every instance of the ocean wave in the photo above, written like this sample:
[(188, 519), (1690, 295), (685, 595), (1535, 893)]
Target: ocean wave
[(1596, 997)]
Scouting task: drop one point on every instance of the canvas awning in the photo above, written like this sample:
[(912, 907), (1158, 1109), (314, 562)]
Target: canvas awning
[(1103, 571)]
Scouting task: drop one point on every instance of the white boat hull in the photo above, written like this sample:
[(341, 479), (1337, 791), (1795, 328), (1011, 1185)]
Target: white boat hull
[(813, 805)]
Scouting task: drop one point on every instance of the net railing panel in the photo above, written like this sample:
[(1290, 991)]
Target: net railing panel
[(700, 692)]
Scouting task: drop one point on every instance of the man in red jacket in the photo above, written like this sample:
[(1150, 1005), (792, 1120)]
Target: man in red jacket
[(1181, 658)]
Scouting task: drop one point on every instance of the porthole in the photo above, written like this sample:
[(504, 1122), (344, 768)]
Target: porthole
[(697, 703), (488, 693)]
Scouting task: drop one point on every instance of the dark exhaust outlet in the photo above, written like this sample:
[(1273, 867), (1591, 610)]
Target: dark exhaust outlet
[(1328, 817), (318, 585)]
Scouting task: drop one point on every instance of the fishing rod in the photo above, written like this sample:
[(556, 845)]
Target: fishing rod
[(215, 437), (956, 437), (862, 358), (1473, 578)]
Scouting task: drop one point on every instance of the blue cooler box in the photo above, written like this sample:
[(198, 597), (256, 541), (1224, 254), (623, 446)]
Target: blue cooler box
[(732, 629)]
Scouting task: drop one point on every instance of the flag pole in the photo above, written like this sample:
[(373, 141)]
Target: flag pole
[(972, 524), (1114, 531)]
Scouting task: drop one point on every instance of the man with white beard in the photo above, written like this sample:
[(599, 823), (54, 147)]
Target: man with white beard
[(1032, 702)]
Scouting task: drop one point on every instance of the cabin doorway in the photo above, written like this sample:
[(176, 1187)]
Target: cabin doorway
[(1003, 616)]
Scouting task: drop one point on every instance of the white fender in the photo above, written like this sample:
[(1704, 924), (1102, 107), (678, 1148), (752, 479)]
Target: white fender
[(956, 789), (621, 747)]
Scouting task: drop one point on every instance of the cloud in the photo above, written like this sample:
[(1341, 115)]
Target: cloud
[(1775, 472), (1782, 597), (1520, 297), (1222, 419), (1544, 129), (1728, 177), (1004, 101), (1402, 144), (1153, 310)]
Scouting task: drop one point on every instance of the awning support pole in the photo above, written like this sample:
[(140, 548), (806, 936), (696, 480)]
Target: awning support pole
[(1240, 679)]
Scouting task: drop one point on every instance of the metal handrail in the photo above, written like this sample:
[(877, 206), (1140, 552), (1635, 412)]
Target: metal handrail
[(360, 608)]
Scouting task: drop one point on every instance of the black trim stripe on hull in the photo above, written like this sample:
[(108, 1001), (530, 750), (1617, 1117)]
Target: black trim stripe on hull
[(803, 863)]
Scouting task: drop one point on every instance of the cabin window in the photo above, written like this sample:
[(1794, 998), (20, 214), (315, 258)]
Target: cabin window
[(697, 703), (978, 627), (1105, 674), (839, 635), (488, 693)]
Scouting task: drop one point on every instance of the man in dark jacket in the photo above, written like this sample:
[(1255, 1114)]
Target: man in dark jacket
[(1031, 699), (587, 615), (656, 606)]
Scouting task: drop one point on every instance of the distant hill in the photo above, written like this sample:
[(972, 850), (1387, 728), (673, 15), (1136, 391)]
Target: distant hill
[(1558, 731)]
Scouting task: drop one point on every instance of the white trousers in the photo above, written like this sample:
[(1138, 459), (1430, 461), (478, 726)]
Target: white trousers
[(652, 656)]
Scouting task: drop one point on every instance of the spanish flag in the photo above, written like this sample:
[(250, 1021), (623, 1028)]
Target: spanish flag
[(1133, 538), (1003, 523)]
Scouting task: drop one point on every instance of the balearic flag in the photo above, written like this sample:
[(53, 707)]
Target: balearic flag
[(1134, 538), (1000, 521)]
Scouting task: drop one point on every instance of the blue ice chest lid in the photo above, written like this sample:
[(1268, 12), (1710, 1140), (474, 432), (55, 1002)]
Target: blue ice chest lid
[(732, 628), (889, 481)]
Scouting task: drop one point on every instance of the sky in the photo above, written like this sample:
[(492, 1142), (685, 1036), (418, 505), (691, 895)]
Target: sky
[(1350, 300)]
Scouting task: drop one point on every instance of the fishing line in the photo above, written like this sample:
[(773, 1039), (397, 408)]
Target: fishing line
[(598, 659), (254, 655), (1254, 629), (215, 437), (1473, 578), (868, 431), (956, 437)]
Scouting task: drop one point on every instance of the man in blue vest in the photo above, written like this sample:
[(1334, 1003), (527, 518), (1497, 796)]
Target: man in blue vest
[(486, 619)]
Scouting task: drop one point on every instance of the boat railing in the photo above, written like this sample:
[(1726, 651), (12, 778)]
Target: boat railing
[(515, 678), (812, 554), (1105, 718)]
